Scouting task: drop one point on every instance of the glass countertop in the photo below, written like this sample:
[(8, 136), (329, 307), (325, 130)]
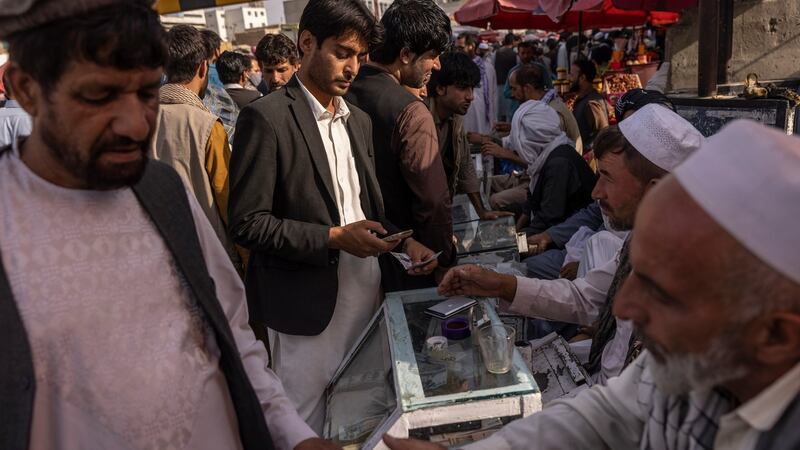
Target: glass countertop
[(461, 375), (462, 369), (482, 236)]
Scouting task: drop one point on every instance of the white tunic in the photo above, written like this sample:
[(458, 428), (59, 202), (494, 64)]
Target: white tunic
[(480, 115), (306, 364), (615, 417), (579, 301), (122, 354)]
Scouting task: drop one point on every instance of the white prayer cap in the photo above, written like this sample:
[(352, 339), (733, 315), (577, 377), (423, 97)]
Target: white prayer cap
[(747, 178), (483, 46), (661, 135)]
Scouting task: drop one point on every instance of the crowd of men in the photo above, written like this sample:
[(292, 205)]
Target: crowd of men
[(191, 239)]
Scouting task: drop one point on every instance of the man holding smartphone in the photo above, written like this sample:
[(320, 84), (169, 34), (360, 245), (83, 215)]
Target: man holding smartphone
[(305, 201)]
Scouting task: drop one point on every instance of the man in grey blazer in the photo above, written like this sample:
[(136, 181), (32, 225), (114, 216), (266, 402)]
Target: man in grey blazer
[(305, 201)]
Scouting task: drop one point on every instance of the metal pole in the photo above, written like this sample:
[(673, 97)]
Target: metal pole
[(708, 53), (725, 40)]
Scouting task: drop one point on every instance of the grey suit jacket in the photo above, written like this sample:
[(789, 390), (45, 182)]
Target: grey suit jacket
[(282, 206)]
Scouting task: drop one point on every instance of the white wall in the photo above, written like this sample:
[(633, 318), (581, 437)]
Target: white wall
[(244, 18), (215, 20)]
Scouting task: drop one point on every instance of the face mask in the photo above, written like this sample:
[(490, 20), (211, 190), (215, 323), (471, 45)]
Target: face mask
[(255, 78)]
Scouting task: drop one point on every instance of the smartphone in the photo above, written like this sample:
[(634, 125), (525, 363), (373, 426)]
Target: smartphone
[(452, 305), (398, 236), (425, 262)]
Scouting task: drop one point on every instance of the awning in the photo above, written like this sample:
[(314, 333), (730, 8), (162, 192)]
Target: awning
[(504, 14), (655, 5)]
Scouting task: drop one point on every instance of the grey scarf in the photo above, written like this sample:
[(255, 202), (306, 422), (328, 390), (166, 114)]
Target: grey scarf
[(679, 422), (176, 94)]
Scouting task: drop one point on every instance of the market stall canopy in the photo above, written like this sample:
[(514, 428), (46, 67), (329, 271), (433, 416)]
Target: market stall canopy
[(173, 6), (479, 12), (507, 14), (655, 5)]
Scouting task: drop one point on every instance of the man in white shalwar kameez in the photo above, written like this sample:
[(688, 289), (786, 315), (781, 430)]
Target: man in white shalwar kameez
[(653, 137), (327, 240), (482, 113), (715, 295)]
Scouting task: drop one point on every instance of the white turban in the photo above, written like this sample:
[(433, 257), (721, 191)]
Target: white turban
[(747, 178), (534, 125), (661, 136), (535, 133)]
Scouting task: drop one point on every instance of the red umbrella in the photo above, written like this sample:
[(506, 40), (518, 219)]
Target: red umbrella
[(655, 5), (508, 14), (479, 13)]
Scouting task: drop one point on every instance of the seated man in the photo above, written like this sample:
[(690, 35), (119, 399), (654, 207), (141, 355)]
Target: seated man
[(560, 184), (715, 294), (632, 157), (547, 247)]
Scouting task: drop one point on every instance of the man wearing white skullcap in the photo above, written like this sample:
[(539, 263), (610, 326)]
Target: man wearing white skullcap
[(630, 162), (123, 323), (715, 293)]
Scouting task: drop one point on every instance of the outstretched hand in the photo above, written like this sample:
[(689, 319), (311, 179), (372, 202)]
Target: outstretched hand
[(472, 280), (359, 239)]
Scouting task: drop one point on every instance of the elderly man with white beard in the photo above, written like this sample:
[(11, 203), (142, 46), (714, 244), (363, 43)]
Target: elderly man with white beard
[(715, 294)]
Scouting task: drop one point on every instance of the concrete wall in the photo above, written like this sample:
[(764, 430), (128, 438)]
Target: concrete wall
[(766, 40)]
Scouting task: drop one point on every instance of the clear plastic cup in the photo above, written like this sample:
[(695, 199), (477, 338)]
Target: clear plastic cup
[(497, 346)]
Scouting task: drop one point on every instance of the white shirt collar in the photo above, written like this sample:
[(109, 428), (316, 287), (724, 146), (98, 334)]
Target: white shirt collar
[(763, 411), (319, 111), (232, 86)]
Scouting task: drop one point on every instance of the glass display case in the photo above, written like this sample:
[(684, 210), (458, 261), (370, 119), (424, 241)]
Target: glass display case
[(490, 258), (392, 381), (485, 236)]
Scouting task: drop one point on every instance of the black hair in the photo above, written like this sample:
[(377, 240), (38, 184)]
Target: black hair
[(535, 75), (101, 37), (458, 70), (336, 18), (187, 51), (526, 44), (508, 39), (552, 43), (572, 42), (636, 99), (469, 39), (417, 25), (231, 66), (274, 49), (212, 40), (587, 69), (601, 54)]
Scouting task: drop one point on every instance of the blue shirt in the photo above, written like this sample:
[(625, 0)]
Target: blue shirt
[(14, 122)]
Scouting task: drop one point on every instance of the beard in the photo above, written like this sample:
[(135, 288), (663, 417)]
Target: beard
[(96, 174), (613, 222), (417, 77), (677, 374)]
